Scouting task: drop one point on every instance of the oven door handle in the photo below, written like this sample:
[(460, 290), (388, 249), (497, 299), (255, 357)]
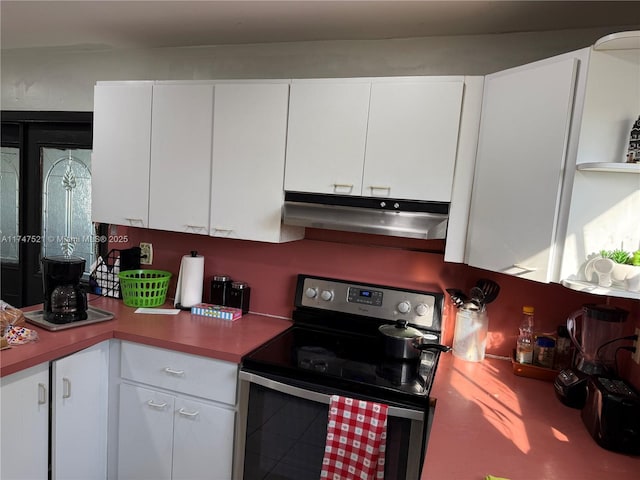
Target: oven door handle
[(319, 397)]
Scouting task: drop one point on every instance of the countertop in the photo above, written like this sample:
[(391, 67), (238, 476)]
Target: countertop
[(487, 420), (209, 337)]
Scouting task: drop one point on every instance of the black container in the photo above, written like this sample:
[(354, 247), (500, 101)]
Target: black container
[(220, 289), (239, 296), (130, 259)]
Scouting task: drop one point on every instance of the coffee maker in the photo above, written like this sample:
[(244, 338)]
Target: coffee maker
[(65, 300)]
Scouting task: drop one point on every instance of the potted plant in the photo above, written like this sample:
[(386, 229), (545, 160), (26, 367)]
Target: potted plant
[(626, 270)]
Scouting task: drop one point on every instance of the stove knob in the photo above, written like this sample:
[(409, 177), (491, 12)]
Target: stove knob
[(311, 292), (421, 309), (404, 307), (326, 295)]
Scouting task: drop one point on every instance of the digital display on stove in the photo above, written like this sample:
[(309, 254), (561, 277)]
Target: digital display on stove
[(365, 296)]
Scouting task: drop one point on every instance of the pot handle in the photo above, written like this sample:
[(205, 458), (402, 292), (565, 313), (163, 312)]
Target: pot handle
[(433, 346)]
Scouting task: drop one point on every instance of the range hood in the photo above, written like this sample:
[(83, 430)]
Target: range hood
[(382, 216)]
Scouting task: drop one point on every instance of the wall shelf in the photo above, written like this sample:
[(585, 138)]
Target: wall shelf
[(614, 167), (588, 287)]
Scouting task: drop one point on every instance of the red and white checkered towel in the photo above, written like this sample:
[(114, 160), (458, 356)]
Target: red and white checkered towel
[(356, 440)]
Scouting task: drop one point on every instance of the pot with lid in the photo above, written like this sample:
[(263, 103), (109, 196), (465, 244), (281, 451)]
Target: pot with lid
[(403, 342)]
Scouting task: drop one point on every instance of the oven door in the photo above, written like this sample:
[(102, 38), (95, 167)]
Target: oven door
[(282, 428)]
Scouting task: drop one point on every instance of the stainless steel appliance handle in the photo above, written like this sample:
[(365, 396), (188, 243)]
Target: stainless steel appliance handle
[(319, 397)]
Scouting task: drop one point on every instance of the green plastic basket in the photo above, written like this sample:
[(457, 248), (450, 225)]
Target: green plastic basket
[(144, 288)]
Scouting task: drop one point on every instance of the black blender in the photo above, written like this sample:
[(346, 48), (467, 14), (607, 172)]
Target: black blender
[(594, 330), (65, 300)]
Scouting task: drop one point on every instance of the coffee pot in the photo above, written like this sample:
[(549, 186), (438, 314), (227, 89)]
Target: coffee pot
[(596, 326), (65, 300)]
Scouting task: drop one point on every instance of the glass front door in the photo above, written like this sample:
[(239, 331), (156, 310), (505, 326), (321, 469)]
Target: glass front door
[(45, 191)]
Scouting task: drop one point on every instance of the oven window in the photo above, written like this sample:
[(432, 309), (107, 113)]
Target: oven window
[(286, 437)]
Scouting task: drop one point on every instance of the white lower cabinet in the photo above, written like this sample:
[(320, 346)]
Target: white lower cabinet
[(145, 433), (165, 433), (77, 427), (24, 424), (79, 407)]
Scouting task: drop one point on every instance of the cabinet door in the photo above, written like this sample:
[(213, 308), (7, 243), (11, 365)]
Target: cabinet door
[(249, 138), (24, 431), (121, 153), (181, 158), (203, 441), (524, 128), (412, 139), (79, 414), (326, 136), (145, 434)]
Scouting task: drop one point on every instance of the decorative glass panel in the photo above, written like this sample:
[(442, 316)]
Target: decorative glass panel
[(66, 204), (9, 204)]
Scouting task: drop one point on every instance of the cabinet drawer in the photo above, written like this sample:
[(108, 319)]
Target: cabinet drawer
[(180, 372)]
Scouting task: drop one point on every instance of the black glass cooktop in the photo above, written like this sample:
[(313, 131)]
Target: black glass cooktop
[(347, 361)]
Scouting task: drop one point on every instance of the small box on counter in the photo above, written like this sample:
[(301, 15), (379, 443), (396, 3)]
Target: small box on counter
[(216, 311)]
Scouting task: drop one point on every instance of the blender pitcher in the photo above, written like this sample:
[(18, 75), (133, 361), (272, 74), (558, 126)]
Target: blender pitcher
[(600, 324)]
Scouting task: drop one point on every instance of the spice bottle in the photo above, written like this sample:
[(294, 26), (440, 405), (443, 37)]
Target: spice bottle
[(544, 351), (524, 343)]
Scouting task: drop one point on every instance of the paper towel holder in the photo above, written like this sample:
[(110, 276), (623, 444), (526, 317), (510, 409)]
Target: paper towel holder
[(179, 293)]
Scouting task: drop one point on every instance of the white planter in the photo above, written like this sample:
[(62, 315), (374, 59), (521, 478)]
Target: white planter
[(627, 276)]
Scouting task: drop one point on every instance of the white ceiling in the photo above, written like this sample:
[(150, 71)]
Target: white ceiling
[(158, 23)]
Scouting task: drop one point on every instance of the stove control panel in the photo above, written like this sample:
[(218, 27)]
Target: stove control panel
[(378, 302), (365, 296)]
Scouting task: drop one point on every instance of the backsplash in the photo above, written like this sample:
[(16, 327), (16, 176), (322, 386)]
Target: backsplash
[(271, 269)]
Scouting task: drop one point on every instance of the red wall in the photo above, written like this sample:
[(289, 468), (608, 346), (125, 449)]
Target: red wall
[(271, 269)]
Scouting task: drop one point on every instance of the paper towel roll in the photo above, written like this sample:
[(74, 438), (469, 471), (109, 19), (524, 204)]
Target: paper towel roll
[(190, 281)]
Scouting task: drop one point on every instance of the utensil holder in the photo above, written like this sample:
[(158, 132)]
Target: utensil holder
[(470, 336)]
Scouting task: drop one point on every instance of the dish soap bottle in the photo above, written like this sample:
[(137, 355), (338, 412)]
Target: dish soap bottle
[(525, 341)]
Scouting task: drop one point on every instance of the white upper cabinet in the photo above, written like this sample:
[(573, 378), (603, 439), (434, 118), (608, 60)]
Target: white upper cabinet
[(552, 187), (385, 137), (521, 160), (249, 141), (606, 191), (412, 139), (121, 153), (327, 136), (181, 133), (170, 156)]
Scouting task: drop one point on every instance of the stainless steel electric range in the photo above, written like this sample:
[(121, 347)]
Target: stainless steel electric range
[(334, 348)]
